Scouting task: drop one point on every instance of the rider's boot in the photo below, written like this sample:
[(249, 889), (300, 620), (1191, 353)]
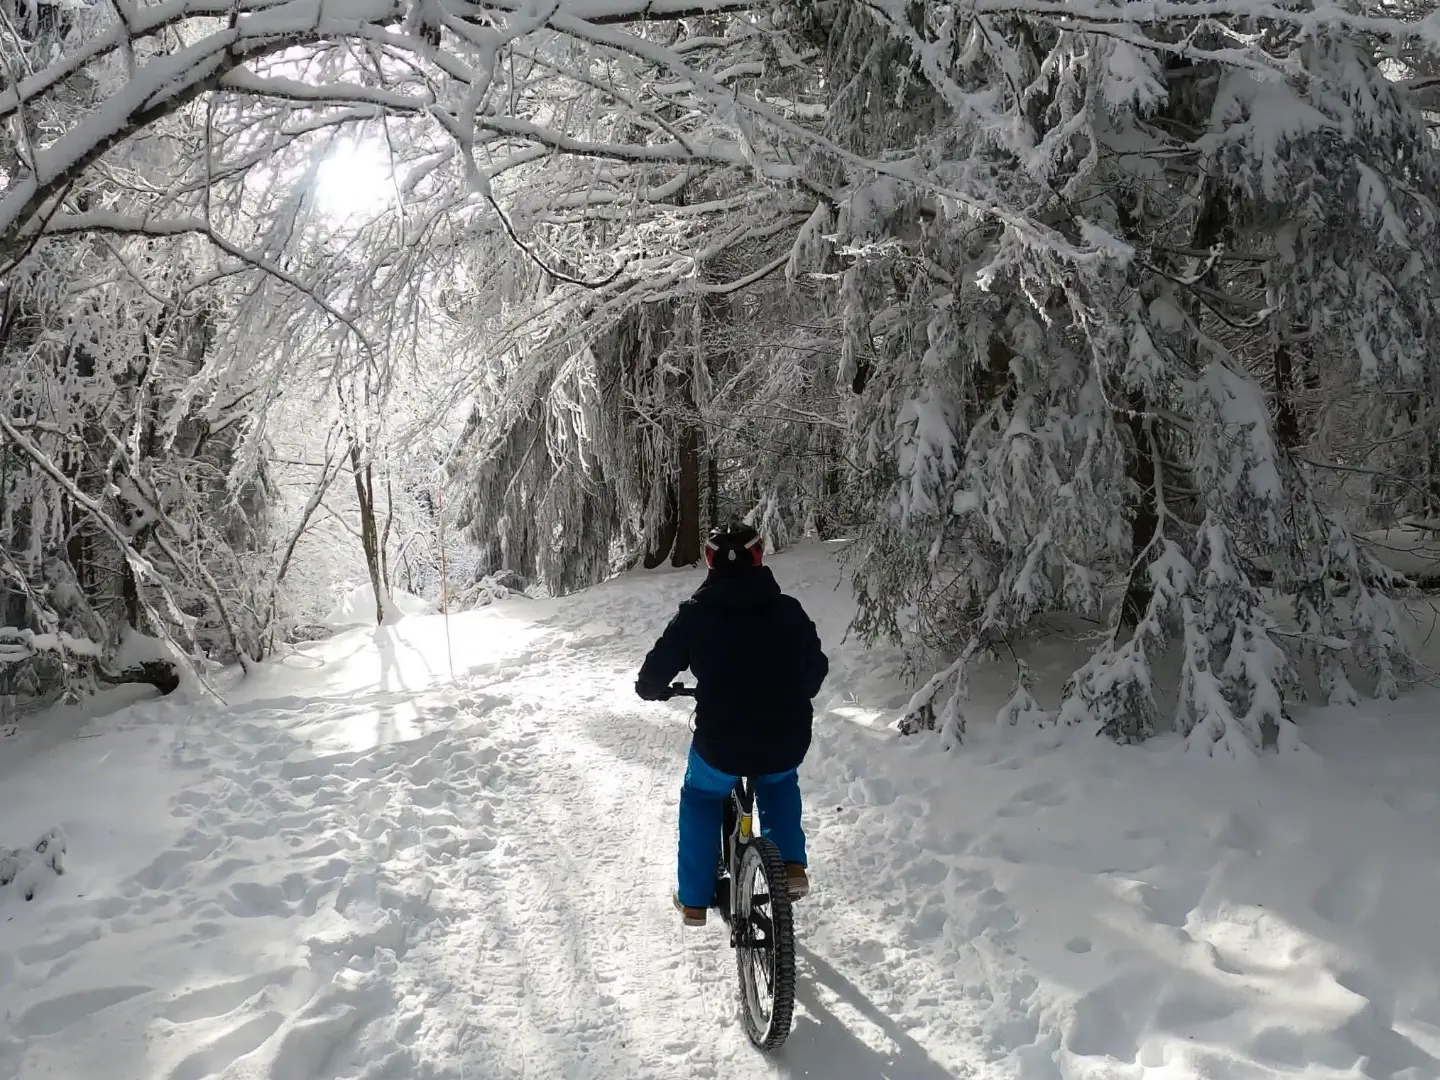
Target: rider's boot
[(690, 916), (799, 880)]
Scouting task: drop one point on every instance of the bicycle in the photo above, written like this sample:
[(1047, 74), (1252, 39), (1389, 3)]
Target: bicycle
[(752, 895)]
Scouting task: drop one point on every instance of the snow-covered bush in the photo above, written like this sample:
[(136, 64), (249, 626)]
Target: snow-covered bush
[(24, 869), (486, 589)]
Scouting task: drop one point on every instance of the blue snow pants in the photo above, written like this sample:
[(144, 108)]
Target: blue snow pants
[(702, 815)]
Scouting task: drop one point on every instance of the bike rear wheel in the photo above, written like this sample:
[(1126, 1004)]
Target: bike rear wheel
[(764, 944)]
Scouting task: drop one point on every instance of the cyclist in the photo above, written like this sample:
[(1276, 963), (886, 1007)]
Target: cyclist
[(757, 663)]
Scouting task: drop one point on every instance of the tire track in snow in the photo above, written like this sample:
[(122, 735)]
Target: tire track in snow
[(570, 915), (864, 958), (891, 932)]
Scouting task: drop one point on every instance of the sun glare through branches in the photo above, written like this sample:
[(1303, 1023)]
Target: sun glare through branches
[(354, 182)]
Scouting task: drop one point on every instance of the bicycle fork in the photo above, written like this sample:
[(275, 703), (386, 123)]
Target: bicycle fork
[(739, 831)]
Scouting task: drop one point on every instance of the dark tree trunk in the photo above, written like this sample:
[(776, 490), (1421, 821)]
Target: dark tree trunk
[(1432, 478), (369, 533), (129, 586), (130, 595), (1287, 420), (712, 481), (665, 541), (830, 481), (993, 380), (687, 517)]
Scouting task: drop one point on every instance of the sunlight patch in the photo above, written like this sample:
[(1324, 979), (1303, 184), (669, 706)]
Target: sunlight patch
[(354, 181)]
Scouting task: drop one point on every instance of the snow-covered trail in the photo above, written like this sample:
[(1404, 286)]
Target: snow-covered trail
[(364, 868), (377, 872)]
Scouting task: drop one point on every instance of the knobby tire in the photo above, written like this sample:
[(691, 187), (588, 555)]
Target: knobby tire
[(782, 1008)]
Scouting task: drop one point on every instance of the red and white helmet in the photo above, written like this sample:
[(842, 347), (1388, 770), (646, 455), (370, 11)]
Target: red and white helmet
[(734, 544)]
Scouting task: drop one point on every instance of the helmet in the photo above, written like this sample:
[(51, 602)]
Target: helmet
[(734, 544)]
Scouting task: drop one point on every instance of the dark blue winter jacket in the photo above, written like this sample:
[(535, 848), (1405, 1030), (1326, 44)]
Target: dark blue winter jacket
[(757, 663)]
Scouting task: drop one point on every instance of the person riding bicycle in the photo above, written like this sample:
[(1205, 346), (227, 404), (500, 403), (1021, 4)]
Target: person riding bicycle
[(757, 662)]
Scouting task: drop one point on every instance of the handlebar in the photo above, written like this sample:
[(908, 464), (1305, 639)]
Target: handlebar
[(681, 690)]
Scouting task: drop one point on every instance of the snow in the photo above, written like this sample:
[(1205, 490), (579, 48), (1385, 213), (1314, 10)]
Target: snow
[(18, 644), (1132, 79), (360, 867), (136, 648), (1408, 549), (356, 607)]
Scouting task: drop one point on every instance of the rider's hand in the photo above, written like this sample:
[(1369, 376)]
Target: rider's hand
[(650, 692)]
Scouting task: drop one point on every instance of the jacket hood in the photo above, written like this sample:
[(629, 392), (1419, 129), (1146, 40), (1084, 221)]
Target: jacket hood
[(752, 587)]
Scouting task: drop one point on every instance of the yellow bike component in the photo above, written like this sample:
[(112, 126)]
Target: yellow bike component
[(745, 826)]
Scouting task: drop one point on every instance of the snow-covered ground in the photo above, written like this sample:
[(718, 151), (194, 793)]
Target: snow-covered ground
[(356, 607), (365, 867)]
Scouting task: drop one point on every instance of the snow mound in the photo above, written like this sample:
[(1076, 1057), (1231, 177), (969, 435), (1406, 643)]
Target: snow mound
[(357, 607), (136, 648), (27, 868)]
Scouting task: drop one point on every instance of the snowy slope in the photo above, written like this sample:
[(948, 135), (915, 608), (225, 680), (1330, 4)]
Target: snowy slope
[(365, 868)]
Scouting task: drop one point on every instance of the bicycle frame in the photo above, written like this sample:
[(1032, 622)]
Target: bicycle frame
[(736, 832)]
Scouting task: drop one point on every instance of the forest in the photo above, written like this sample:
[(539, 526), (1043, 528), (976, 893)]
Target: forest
[(1101, 317)]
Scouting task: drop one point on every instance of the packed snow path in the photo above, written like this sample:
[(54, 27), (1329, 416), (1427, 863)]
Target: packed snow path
[(382, 873), (364, 869)]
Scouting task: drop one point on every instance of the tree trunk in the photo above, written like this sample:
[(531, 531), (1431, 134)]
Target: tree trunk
[(993, 379), (130, 594), (77, 547), (830, 481), (665, 542), (687, 518), (1287, 420), (712, 481), (385, 536), (369, 534), (1432, 478)]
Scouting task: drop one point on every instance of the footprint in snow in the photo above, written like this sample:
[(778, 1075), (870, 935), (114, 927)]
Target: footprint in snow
[(219, 999), (594, 633), (58, 1013), (56, 948), (220, 1053), (1033, 799)]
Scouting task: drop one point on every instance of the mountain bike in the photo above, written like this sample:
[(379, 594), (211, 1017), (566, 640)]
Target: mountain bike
[(752, 895)]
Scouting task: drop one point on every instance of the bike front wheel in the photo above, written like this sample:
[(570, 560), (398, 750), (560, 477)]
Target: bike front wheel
[(764, 944)]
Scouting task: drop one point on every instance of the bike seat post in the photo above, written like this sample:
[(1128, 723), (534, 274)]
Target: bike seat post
[(745, 792), (745, 799)]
